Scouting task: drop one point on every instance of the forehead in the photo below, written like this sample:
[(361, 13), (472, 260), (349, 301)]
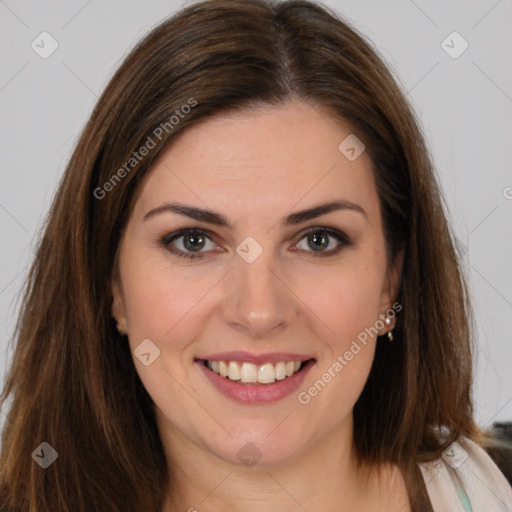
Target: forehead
[(266, 160)]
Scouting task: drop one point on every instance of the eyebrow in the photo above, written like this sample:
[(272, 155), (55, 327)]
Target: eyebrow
[(219, 220)]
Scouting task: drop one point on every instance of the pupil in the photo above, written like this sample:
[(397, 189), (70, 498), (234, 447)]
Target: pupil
[(315, 238), (195, 239)]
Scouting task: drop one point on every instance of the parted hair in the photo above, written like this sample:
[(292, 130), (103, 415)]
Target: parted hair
[(72, 382)]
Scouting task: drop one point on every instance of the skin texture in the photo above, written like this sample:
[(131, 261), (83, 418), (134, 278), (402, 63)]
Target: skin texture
[(256, 167)]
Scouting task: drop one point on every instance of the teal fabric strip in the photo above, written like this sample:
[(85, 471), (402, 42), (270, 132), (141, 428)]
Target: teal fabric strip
[(464, 498)]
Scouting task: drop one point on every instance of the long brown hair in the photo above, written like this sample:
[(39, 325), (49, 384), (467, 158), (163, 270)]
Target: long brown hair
[(72, 378)]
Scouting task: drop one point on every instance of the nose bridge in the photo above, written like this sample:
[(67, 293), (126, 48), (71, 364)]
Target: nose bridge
[(258, 300)]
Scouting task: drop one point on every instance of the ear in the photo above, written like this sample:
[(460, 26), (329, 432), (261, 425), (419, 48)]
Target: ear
[(118, 307), (390, 288)]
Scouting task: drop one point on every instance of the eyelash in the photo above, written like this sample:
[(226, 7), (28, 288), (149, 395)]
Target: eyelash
[(338, 235)]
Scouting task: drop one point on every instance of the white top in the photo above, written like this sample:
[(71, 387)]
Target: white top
[(466, 479)]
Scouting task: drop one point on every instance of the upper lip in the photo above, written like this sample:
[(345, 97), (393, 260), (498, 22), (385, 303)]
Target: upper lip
[(257, 359)]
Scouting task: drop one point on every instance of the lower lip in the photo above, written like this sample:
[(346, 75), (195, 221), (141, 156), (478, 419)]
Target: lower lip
[(256, 394)]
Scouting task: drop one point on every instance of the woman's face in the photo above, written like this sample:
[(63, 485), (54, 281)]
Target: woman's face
[(259, 289)]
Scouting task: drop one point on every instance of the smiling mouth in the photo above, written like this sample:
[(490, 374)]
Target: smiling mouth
[(249, 373)]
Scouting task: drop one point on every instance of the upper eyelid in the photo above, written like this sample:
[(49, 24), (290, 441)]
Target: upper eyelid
[(184, 231)]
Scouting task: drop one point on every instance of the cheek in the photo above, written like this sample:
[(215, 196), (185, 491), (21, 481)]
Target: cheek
[(346, 299), (350, 313), (158, 297), (161, 305)]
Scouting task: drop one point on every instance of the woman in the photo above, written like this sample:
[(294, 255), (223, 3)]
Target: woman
[(246, 296)]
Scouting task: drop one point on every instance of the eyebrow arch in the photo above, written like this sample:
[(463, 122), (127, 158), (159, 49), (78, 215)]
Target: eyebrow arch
[(219, 220)]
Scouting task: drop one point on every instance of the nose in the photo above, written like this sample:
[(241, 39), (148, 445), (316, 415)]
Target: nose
[(259, 300)]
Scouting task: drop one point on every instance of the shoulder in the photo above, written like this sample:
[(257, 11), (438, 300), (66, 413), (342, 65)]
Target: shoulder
[(464, 479)]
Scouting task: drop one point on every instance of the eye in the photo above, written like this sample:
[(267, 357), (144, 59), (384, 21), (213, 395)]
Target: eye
[(193, 240), (191, 243), (320, 239)]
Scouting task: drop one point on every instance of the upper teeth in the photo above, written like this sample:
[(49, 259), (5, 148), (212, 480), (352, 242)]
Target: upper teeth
[(249, 372)]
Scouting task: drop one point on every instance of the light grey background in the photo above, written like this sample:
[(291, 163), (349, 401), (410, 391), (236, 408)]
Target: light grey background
[(464, 105)]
